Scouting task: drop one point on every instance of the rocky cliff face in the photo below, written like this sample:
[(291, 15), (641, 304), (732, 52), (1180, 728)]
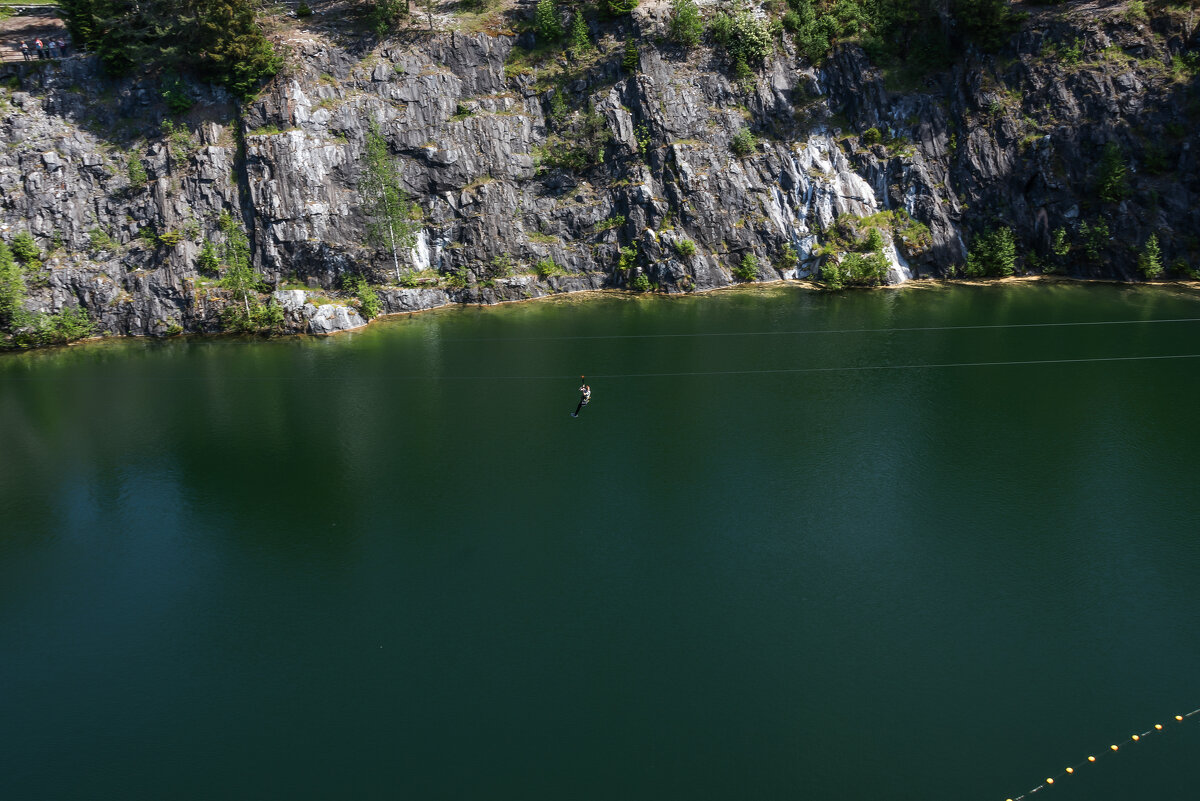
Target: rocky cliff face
[(1012, 139)]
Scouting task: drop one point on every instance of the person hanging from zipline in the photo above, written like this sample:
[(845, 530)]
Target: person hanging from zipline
[(585, 395)]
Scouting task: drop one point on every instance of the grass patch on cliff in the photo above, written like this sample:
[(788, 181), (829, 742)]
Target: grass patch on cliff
[(525, 61), (270, 129), (850, 233), (492, 17)]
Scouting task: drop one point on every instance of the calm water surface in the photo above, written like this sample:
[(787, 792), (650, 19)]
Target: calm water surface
[(386, 565)]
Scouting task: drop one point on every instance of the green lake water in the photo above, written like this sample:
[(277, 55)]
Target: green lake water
[(389, 564)]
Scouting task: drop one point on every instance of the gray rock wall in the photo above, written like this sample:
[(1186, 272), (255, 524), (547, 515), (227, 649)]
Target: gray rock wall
[(1012, 139)]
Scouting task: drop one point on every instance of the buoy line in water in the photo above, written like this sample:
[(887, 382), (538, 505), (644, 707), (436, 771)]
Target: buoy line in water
[(808, 331), (1157, 728)]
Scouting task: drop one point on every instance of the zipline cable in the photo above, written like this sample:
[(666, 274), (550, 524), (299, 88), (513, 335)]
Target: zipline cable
[(808, 331), (1157, 728), (680, 374)]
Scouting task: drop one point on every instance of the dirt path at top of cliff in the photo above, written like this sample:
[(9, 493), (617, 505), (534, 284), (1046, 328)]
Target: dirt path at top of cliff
[(39, 24)]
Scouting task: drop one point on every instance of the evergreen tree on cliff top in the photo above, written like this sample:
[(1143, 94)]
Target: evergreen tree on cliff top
[(215, 40)]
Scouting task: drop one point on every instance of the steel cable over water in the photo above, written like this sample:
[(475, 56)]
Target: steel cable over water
[(682, 374), (1157, 728), (808, 331)]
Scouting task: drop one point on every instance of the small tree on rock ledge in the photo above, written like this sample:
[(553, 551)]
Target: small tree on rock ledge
[(1150, 260), (386, 204)]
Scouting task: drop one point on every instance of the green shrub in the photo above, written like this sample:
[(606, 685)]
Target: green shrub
[(787, 258), (383, 14), (815, 34), (686, 248), (832, 275), (170, 239), (174, 93), (743, 142), (548, 268), (871, 136), (874, 241), (68, 325), (627, 258), (578, 143), (369, 305), (615, 8), (1135, 11), (501, 266), (1182, 267), (1095, 238), (642, 134), (745, 38), (748, 269), (136, 172), (303, 11), (1150, 259), (208, 261), (25, 249), (865, 269), (99, 240), (1071, 54), (60, 328), (640, 283), (615, 221), (994, 253), (1061, 244), (12, 290), (686, 28), (258, 319)]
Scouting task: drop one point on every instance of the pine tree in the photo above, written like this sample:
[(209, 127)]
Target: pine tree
[(631, 58), (581, 41), (1150, 260), (217, 40), (546, 21)]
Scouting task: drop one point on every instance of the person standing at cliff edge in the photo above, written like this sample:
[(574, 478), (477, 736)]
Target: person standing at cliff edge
[(585, 396)]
